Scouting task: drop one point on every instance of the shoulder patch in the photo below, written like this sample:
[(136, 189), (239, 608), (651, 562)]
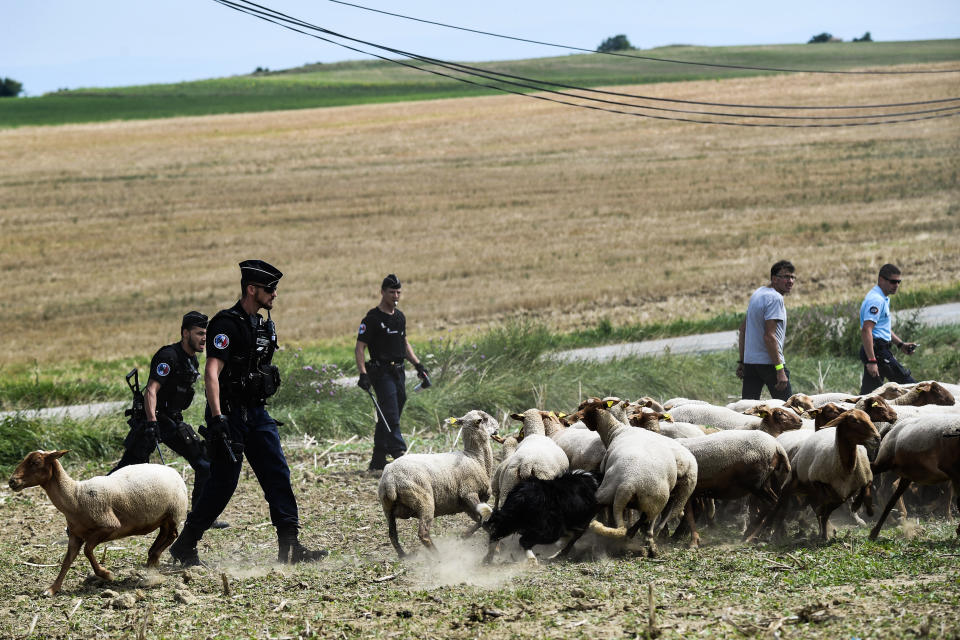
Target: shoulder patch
[(163, 369), (363, 328), (221, 341), (874, 310)]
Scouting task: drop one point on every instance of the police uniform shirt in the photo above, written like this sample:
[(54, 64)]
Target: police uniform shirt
[(231, 341), (385, 334), (876, 308), (176, 373)]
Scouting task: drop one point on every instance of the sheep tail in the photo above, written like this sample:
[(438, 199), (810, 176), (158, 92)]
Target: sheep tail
[(608, 532), (781, 461)]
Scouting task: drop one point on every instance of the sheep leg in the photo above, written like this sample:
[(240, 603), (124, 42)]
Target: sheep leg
[(897, 495), (394, 539), (88, 548), (73, 548), (168, 533), (691, 523), (568, 547), (478, 512), (786, 493), (423, 532), (823, 516)]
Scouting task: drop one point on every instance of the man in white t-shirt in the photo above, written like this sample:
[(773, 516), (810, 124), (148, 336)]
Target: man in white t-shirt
[(761, 337)]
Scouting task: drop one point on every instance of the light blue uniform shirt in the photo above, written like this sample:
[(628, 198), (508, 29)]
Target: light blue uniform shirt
[(876, 308), (766, 303)]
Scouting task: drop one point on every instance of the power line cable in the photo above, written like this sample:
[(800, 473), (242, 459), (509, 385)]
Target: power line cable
[(282, 20), (633, 55)]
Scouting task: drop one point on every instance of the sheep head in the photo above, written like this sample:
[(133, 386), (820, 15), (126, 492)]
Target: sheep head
[(647, 401), (856, 426), (646, 419), (777, 420), (799, 402), (532, 422), (933, 392), (594, 410), (35, 469), (877, 408), (476, 422), (823, 415)]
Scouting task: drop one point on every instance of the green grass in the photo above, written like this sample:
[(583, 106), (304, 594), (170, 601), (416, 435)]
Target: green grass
[(502, 371), (363, 82)]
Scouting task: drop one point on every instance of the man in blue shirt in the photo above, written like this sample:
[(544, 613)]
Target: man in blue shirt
[(761, 337), (877, 335)]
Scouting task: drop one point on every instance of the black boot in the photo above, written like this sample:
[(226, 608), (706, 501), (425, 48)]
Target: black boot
[(291, 551), (184, 548)]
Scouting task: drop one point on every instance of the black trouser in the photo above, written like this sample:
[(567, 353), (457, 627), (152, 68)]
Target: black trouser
[(389, 384), (887, 367), (755, 376), (177, 435), (257, 432)]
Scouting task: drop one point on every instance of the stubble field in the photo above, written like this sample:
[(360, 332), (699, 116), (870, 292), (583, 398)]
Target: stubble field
[(904, 585), (487, 208)]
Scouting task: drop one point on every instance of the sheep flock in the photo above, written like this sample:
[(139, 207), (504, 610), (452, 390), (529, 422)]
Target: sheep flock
[(661, 468)]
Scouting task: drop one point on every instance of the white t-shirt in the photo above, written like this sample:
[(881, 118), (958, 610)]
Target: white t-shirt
[(766, 303)]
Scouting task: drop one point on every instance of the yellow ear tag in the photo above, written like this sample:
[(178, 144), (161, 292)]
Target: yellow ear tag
[(667, 416), (610, 403), (452, 420), (561, 415), (552, 414)]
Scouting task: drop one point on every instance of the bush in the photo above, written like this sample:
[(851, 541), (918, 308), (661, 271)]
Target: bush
[(864, 38), (822, 37), (615, 43), (10, 88)]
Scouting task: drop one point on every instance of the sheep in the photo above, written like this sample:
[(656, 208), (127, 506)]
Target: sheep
[(537, 456), (829, 467), (426, 485), (799, 402), (134, 500), (583, 448), (733, 465), (543, 511), (921, 450), (774, 421), (888, 391), (640, 470), (673, 403)]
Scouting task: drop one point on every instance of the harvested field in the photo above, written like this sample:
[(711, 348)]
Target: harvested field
[(906, 584), (487, 208)]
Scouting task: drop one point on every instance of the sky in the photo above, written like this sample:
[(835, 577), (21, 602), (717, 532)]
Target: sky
[(51, 44)]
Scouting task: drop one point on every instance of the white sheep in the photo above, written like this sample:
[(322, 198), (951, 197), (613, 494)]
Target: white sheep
[(134, 500), (426, 485), (641, 471), (510, 444), (799, 402), (584, 448), (537, 456), (829, 466), (923, 449), (774, 421)]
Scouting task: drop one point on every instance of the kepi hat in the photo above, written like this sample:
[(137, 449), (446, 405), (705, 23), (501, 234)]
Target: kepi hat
[(391, 282), (259, 272)]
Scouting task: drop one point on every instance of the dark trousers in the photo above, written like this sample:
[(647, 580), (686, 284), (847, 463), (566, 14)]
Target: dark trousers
[(755, 376), (389, 385), (177, 435), (887, 367), (257, 431)]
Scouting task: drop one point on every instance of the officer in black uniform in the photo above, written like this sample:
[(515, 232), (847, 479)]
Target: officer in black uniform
[(169, 392), (238, 379), (384, 331)]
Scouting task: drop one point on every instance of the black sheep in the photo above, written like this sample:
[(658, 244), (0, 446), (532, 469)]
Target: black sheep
[(543, 511)]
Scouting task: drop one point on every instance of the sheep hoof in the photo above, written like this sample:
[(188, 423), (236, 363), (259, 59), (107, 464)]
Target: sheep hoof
[(532, 559), (48, 592)]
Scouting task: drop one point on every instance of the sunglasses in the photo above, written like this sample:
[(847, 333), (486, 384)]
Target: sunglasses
[(265, 288), (895, 281)]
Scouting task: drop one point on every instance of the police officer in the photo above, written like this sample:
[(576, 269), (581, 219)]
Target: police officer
[(384, 332), (169, 392), (876, 334), (239, 377)]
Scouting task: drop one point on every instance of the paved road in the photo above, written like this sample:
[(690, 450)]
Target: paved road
[(704, 343)]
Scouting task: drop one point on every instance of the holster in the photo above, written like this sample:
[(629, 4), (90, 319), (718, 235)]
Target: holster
[(191, 440)]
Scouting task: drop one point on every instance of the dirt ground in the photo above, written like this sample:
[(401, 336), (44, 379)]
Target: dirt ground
[(906, 584)]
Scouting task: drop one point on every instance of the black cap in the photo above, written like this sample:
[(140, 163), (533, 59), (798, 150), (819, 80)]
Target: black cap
[(193, 319), (259, 272), (390, 282)]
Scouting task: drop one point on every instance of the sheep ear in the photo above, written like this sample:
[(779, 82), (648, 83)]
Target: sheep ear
[(53, 455), (667, 417), (924, 386), (551, 414), (517, 416)]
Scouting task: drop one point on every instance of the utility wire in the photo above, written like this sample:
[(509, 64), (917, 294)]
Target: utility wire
[(633, 55), (285, 21)]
